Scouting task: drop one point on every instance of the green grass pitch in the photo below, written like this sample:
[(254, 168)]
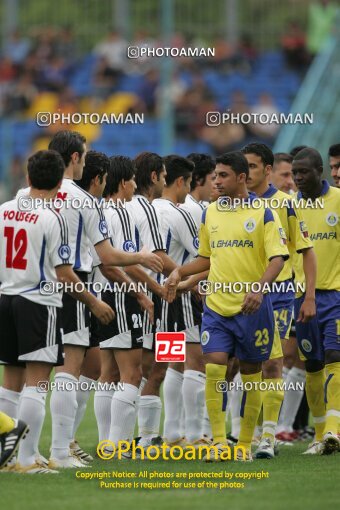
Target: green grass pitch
[(294, 482)]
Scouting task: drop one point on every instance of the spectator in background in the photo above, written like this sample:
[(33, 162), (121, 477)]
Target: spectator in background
[(20, 95), (321, 17), (114, 50), (147, 91), (53, 74), (293, 44), (265, 105), (17, 48), (191, 109), (65, 45), (104, 79)]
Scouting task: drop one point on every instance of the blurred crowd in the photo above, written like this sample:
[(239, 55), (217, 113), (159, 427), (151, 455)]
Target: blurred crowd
[(48, 58)]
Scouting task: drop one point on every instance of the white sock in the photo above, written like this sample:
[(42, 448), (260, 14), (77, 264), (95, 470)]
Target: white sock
[(32, 411), (206, 422), (173, 402), (292, 399), (193, 391), (9, 402), (63, 411), (102, 411), (82, 398), (149, 416), (182, 423), (140, 389), (123, 414), (235, 406)]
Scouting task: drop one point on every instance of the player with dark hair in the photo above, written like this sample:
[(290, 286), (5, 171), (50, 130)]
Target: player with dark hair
[(297, 149), (147, 180), (70, 145), (260, 159), (35, 251), (181, 233), (237, 244), (319, 340), (334, 162), (201, 185), (150, 181), (281, 175)]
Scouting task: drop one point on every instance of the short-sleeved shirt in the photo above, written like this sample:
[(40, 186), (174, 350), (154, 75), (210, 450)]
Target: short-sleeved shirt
[(86, 222), (239, 243), (291, 220), (323, 226), (147, 226), (32, 244), (194, 208), (179, 231)]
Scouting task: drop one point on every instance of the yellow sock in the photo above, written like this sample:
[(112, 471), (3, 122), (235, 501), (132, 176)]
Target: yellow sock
[(250, 408), (216, 401), (271, 401), (315, 382), (6, 423), (332, 397)]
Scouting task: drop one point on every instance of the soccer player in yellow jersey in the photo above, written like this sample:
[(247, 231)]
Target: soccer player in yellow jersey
[(319, 340), (11, 432), (260, 159), (238, 243)]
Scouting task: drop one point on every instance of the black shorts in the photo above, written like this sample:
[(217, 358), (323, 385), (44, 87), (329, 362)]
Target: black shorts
[(165, 320), (29, 332), (126, 329), (189, 317), (75, 319), (94, 331)]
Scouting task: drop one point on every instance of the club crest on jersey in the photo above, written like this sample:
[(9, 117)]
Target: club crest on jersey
[(332, 219), (64, 251), (303, 229), (103, 227), (205, 337), (195, 242), (306, 345), (129, 246), (250, 225)]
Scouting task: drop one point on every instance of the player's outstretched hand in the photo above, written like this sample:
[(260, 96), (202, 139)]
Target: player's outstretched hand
[(251, 303), (307, 310), (146, 304), (151, 260), (171, 285), (103, 312)]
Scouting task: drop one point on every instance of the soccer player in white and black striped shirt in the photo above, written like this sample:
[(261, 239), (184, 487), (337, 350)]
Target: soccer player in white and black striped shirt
[(181, 234), (200, 187), (150, 180)]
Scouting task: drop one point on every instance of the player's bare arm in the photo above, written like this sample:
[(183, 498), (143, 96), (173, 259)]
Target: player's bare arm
[(101, 310), (308, 308), (199, 265), (111, 256), (252, 301), (115, 274), (138, 274), (191, 282)]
